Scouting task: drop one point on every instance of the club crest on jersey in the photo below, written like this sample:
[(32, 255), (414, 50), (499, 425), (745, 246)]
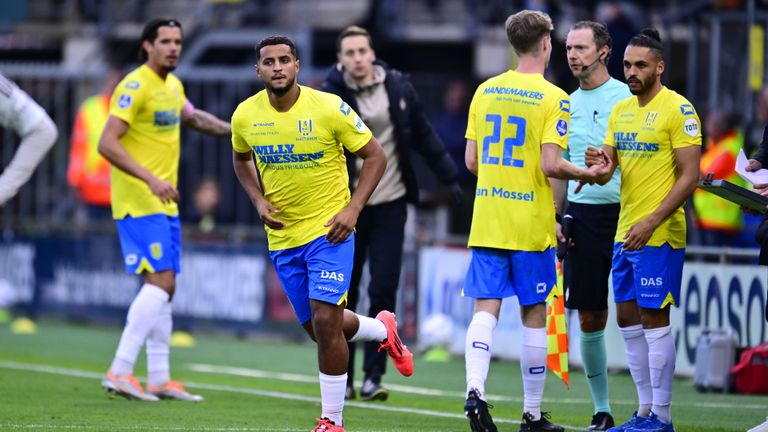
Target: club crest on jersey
[(156, 250), (650, 118), (687, 109), (124, 101), (561, 127), (305, 126)]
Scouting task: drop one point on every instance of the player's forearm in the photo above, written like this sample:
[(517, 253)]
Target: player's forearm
[(31, 152), (115, 153), (370, 174), (248, 177), (560, 192), (681, 190), (208, 123)]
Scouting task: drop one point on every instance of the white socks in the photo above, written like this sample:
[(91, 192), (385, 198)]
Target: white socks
[(332, 388), (158, 348), (370, 329), (661, 362), (637, 359), (533, 363), (477, 357), (142, 316)]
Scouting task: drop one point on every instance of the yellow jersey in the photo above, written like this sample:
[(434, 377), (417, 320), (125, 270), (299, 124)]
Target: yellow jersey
[(645, 139), (152, 108), (300, 158), (511, 116)]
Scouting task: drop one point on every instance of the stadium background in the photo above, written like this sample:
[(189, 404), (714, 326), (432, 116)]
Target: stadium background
[(56, 263)]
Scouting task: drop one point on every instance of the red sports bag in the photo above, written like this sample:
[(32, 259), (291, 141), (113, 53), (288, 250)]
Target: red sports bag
[(750, 375)]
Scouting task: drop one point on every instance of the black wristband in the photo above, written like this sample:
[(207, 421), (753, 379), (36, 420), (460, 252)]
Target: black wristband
[(558, 219)]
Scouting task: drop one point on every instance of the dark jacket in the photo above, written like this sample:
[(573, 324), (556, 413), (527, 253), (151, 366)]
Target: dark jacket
[(761, 155), (411, 128)]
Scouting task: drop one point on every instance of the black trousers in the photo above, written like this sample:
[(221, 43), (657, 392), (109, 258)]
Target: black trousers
[(379, 238)]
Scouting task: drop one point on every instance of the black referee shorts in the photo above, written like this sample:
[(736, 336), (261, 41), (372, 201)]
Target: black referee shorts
[(587, 266)]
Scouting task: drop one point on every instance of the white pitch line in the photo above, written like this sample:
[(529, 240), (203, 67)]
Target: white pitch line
[(272, 394), (17, 426), (256, 373)]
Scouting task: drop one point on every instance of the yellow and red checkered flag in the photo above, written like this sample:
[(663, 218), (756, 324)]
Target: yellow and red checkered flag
[(557, 337)]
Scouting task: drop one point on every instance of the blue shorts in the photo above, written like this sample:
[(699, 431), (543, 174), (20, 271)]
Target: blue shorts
[(651, 276), (500, 273), (317, 270), (150, 243)]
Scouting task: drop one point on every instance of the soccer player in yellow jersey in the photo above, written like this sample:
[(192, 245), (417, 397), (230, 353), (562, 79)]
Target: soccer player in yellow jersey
[(517, 130), (300, 187), (655, 138), (142, 142)]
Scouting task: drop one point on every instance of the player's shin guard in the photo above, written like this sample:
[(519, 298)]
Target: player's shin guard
[(158, 348), (332, 388), (142, 316), (661, 361), (533, 363), (477, 357), (637, 359)]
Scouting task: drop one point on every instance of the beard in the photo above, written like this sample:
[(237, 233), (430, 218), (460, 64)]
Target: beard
[(169, 68), (281, 90), (645, 84)]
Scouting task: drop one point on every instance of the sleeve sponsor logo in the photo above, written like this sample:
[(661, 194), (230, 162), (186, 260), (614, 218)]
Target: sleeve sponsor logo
[(359, 125), (565, 106), (124, 101), (344, 108), (561, 127), (132, 85), (687, 109), (691, 127)]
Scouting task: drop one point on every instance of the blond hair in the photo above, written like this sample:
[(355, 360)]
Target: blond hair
[(525, 30)]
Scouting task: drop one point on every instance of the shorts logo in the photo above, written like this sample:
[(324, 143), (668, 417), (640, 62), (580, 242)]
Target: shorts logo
[(691, 127), (131, 259), (305, 127), (541, 288), (156, 250), (658, 281), (332, 290), (124, 101), (324, 274), (561, 127)]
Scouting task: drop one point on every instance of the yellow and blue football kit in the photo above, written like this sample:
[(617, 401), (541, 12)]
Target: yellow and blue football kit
[(513, 224), (300, 158), (148, 228), (645, 139)]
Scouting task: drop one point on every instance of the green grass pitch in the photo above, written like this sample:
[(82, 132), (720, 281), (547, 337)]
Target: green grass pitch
[(50, 382)]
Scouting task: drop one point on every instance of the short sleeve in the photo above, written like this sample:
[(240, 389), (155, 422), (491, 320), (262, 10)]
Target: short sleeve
[(471, 133), (558, 115), (350, 129), (609, 139), (238, 141), (684, 126), (127, 99)]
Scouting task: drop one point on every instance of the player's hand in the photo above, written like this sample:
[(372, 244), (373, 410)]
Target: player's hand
[(341, 225), (594, 156), (164, 190), (561, 236), (761, 188), (638, 235), (753, 165), (266, 210)]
